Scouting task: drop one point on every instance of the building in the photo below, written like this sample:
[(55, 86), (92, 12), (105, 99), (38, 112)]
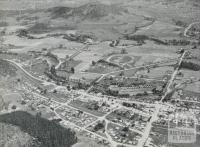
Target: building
[(133, 90)]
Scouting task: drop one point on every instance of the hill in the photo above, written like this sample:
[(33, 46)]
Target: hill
[(87, 11), (12, 136), (106, 19), (47, 133)]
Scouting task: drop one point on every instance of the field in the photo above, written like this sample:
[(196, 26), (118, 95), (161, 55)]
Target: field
[(12, 100), (86, 142), (102, 68), (190, 74), (158, 73), (162, 29), (61, 53), (195, 87), (191, 78), (37, 68)]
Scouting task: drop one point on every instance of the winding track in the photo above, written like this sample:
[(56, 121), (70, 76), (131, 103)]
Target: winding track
[(187, 29)]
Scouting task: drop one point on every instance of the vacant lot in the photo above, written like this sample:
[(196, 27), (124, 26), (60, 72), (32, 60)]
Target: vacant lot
[(156, 73)]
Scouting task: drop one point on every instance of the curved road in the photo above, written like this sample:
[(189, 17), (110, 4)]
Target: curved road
[(187, 29), (32, 78)]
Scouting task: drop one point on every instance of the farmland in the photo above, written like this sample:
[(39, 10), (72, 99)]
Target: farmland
[(98, 73)]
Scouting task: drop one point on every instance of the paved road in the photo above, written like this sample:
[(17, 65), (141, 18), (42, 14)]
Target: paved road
[(158, 106), (142, 66), (72, 56), (27, 74)]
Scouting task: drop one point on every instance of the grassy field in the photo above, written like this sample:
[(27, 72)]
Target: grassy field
[(156, 73), (195, 87)]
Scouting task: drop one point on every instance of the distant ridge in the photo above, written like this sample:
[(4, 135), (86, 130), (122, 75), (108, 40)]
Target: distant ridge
[(94, 10)]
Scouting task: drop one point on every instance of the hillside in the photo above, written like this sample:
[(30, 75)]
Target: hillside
[(88, 11), (101, 20), (106, 19), (12, 136), (47, 133)]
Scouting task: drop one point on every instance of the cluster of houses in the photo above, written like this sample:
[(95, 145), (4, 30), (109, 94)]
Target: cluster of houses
[(78, 117), (123, 135), (129, 118)]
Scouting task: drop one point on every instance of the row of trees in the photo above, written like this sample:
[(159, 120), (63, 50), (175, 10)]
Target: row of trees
[(178, 42), (141, 39), (190, 65)]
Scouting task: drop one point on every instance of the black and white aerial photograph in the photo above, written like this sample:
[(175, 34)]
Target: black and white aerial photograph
[(99, 73)]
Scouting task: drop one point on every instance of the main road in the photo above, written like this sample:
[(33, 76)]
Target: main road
[(26, 74), (158, 105)]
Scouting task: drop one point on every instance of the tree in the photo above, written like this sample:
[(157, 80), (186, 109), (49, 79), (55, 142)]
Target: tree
[(99, 126), (93, 63), (145, 93), (54, 91), (154, 91), (190, 65), (61, 46), (14, 107), (68, 88), (53, 69), (112, 44), (121, 74), (72, 70), (23, 102), (123, 51), (3, 32), (148, 70), (44, 91), (22, 33), (44, 49), (39, 114), (125, 129)]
